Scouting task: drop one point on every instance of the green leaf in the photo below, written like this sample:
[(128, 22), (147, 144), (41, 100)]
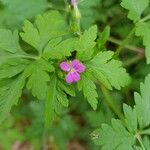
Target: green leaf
[(62, 97), (20, 10), (114, 137), (89, 90), (143, 103), (31, 35), (108, 71), (66, 88), (50, 25), (12, 68), (122, 135), (86, 43), (146, 142), (87, 40), (58, 49), (143, 30), (130, 118), (39, 77), (9, 41), (56, 99), (103, 37), (11, 93), (135, 7)]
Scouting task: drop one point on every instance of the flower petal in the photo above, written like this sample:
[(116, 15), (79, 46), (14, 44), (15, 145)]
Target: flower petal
[(79, 67), (76, 76), (70, 78), (65, 66)]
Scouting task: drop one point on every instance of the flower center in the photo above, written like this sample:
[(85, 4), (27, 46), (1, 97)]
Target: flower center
[(72, 70)]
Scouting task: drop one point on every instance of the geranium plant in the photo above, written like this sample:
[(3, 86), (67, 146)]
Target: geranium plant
[(65, 54)]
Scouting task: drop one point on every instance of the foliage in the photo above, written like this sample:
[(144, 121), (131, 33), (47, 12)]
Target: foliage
[(19, 11), (39, 107), (123, 134), (135, 8), (47, 39)]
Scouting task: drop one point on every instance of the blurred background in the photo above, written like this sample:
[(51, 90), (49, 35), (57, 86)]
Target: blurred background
[(24, 128)]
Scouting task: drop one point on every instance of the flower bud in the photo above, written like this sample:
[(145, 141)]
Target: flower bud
[(73, 2), (77, 12)]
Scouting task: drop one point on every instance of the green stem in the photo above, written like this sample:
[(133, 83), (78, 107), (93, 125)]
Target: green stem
[(111, 103), (140, 141), (130, 47), (132, 61), (125, 41), (145, 18)]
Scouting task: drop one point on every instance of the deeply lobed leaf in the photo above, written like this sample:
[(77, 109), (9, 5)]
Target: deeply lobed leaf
[(10, 94), (109, 71), (135, 7), (38, 77)]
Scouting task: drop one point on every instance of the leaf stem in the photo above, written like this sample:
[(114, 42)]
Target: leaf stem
[(145, 18), (125, 41), (140, 141), (111, 103)]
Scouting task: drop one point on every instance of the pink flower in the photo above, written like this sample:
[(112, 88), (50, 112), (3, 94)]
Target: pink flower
[(74, 69), (73, 2)]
